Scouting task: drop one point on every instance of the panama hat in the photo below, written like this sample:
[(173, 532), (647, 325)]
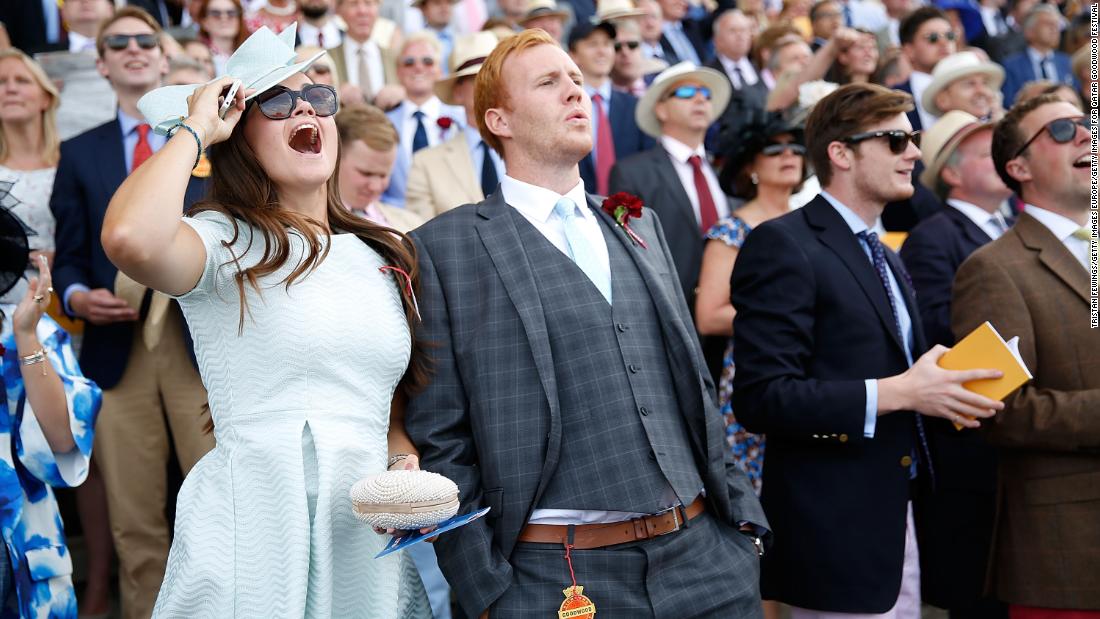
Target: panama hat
[(543, 8), (262, 61), (939, 143), (469, 54), (718, 84), (956, 66), (607, 10)]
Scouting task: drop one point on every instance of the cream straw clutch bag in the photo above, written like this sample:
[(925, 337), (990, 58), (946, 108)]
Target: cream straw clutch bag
[(404, 499)]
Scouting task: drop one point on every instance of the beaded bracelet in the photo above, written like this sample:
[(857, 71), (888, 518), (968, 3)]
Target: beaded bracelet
[(38, 356), (172, 133)]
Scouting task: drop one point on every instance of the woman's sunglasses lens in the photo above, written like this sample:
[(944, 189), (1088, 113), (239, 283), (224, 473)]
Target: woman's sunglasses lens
[(321, 98), (277, 105)]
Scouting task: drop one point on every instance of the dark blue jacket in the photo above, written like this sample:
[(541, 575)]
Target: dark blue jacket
[(629, 139)]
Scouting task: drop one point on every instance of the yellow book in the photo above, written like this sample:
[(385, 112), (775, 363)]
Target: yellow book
[(984, 348), (894, 240)]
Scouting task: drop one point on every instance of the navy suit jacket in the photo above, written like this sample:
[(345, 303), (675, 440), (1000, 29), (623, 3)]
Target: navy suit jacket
[(92, 166), (954, 523), (629, 139), (914, 116), (1019, 71), (698, 33), (813, 323)]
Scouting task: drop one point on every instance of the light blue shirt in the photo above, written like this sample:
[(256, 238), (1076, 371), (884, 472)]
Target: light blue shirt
[(477, 153), (53, 20), (857, 226), (447, 40), (605, 94), (681, 44)]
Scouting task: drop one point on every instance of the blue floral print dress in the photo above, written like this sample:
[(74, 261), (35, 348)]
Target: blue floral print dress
[(40, 565), (747, 448)]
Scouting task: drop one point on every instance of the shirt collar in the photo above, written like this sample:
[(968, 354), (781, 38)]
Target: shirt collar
[(431, 108), (473, 137), (681, 152), (127, 122), (975, 213), (604, 91), (1035, 56), (855, 222), (538, 202), (1061, 226)]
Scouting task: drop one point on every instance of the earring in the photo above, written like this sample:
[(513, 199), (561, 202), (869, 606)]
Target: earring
[(754, 178)]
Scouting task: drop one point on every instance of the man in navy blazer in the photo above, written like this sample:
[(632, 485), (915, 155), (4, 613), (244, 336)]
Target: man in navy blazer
[(956, 519), (591, 46), (832, 367), (152, 393), (1041, 60)]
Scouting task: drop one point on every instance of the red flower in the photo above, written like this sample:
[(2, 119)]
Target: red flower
[(445, 122), (622, 206)]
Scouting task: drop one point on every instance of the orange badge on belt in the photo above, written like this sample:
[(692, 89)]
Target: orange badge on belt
[(576, 605)]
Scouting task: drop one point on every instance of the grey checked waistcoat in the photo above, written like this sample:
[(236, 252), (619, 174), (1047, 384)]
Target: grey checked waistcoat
[(624, 438)]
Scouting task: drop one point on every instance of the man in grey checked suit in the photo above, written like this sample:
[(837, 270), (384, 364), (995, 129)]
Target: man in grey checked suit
[(569, 393)]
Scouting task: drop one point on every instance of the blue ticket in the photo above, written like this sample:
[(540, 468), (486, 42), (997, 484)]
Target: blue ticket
[(415, 537)]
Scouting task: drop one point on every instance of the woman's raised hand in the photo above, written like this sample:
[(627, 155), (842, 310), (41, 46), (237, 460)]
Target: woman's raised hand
[(203, 108)]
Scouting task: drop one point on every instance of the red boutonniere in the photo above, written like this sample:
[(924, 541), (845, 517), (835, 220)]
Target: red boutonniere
[(445, 123), (622, 206)]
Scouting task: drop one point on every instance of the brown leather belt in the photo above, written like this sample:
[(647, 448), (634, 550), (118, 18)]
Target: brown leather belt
[(588, 536)]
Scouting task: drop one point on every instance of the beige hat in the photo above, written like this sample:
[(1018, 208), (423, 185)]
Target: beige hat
[(952, 68), (939, 142), (718, 84), (607, 10), (469, 53), (543, 8), (419, 3)]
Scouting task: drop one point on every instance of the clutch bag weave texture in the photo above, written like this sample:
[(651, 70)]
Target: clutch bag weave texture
[(404, 499)]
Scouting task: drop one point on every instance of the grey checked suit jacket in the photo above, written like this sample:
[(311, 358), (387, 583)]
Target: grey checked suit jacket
[(490, 419)]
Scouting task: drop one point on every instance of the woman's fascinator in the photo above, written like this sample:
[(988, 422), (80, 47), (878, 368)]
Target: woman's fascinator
[(751, 138), (14, 247), (262, 61)]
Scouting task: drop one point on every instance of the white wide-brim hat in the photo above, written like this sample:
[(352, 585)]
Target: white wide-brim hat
[(719, 94), (469, 54), (607, 10), (957, 66), (940, 141), (262, 61)]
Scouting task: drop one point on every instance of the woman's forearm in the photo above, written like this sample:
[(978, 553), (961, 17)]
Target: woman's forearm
[(46, 396), (398, 439)]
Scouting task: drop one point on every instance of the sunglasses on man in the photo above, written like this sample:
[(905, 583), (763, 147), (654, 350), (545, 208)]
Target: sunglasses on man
[(934, 37), (689, 92), (631, 45), (409, 61), (1061, 130), (897, 139), (279, 102), (119, 42)]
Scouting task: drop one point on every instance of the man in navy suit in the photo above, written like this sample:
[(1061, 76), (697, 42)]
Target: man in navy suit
[(682, 39), (1041, 60), (151, 389), (956, 520), (615, 133), (833, 367)]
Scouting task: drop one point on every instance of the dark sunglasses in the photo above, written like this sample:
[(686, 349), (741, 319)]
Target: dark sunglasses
[(935, 37), (898, 139), (227, 14), (775, 148), (689, 92), (1062, 131), (631, 45), (119, 42), (278, 102), (409, 61)]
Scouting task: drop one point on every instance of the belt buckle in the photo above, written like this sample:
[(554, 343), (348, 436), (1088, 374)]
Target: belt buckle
[(678, 519)]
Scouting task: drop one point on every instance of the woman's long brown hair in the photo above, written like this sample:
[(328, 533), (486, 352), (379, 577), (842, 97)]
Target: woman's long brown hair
[(240, 189)]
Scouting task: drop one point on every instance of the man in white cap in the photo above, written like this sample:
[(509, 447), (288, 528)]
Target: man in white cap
[(464, 169), (956, 520), (965, 82), (675, 178)]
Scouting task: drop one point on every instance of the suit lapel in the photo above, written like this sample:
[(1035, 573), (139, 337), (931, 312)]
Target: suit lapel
[(501, 240), (111, 160), (666, 174), (461, 165), (970, 230), (837, 236), (1053, 254)]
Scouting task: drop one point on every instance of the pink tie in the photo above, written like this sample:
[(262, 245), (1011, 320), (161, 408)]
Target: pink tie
[(605, 146)]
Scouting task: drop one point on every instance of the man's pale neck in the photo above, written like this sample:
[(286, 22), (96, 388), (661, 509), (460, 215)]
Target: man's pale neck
[(866, 209), (560, 179), (596, 82), (691, 138), (127, 100), (1049, 203), (989, 204)]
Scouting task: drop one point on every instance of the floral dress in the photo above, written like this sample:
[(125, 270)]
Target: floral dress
[(33, 532), (748, 448)]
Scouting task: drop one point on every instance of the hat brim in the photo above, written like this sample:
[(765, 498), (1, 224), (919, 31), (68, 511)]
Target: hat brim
[(562, 15), (445, 88), (744, 155), (994, 72), (720, 97), (932, 169), (620, 14)]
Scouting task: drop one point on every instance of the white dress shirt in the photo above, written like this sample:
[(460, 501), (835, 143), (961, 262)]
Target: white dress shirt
[(1062, 228), (374, 64), (1047, 63), (433, 109), (333, 36), (919, 82), (679, 153), (477, 153), (80, 43), (747, 71), (992, 224)]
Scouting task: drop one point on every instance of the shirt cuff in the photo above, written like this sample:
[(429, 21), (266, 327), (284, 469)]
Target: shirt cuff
[(72, 289), (870, 415)]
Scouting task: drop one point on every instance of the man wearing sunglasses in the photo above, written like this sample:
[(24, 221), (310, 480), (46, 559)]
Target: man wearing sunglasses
[(833, 366), (926, 39), (143, 409), (1033, 282), (1041, 59)]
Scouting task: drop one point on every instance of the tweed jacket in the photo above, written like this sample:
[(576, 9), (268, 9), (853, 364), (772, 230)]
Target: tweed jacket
[(1047, 527), (441, 178)]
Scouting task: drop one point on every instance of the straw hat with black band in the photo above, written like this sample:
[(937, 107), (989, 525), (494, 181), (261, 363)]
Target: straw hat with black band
[(939, 143), (469, 54), (719, 86), (955, 67)]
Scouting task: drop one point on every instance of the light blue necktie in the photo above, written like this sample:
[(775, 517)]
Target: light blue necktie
[(580, 250)]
